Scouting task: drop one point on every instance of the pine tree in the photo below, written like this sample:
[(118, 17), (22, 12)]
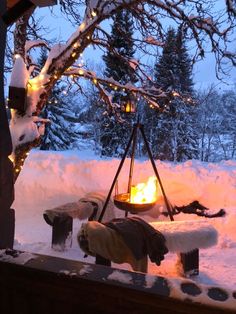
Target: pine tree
[(59, 132), (173, 133), (165, 69), (115, 133), (122, 42)]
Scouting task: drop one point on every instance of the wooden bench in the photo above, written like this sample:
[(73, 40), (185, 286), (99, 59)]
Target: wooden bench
[(186, 238)]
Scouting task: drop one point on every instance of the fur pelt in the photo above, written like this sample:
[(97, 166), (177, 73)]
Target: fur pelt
[(83, 209), (95, 238), (195, 208), (185, 236)]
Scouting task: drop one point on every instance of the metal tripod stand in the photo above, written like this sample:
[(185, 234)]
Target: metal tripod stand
[(132, 141)]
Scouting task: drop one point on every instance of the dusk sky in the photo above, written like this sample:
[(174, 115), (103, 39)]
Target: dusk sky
[(204, 71)]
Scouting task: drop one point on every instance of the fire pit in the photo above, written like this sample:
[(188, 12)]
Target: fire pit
[(135, 200), (122, 202), (142, 197)]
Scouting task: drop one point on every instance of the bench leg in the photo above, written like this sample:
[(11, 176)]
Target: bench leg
[(190, 262), (102, 261), (62, 232)]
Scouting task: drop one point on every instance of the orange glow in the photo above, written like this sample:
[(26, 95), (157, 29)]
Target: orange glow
[(143, 193), (128, 107)]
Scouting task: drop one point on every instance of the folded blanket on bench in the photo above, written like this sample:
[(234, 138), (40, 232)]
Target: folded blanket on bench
[(87, 207), (141, 238)]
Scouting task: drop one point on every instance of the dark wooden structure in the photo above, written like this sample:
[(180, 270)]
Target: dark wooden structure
[(10, 11), (16, 8), (7, 220), (52, 285)]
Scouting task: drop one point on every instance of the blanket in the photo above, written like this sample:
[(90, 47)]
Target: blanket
[(95, 238), (87, 207), (141, 238)]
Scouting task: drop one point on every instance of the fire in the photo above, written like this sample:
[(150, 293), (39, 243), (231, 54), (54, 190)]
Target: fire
[(143, 193)]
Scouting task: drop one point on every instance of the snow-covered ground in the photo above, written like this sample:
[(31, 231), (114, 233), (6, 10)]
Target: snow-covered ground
[(49, 179)]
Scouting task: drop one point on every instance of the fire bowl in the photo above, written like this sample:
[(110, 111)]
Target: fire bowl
[(121, 201)]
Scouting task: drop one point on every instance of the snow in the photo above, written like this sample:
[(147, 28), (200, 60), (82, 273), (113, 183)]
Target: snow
[(20, 74), (21, 258), (50, 179), (120, 277)]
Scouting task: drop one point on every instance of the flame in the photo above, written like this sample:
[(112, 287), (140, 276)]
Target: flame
[(144, 193)]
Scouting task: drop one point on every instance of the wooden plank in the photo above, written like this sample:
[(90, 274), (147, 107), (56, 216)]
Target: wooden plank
[(11, 3), (40, 3)]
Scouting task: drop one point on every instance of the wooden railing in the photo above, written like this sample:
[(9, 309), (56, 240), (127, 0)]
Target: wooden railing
[(50, 285)]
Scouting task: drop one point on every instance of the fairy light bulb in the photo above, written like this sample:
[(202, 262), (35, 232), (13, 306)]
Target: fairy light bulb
[(82, 26), (93, 13)]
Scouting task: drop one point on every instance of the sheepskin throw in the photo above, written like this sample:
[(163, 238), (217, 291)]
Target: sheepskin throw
[(185, 236)]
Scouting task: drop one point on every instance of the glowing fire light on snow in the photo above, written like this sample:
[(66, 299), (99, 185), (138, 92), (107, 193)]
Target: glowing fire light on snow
[(143, 193)]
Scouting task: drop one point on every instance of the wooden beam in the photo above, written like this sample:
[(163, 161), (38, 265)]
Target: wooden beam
[(39, 3), (16, 11), (44, 3), (16, 8), (11, 3), (7, 221)]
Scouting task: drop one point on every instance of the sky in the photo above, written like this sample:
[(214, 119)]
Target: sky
[(203, 72)]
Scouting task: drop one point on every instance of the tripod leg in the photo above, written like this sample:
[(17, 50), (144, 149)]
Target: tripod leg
[(117, 173), (168, 206), (132, 164)]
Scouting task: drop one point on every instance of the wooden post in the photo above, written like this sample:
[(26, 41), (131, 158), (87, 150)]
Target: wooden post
[(62, 232), (7, 220), (190, 262)]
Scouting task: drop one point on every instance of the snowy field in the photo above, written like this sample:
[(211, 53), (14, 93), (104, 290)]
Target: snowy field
[(49, 179)]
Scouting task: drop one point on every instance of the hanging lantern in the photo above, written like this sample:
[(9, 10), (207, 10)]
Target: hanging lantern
[(128, 104)]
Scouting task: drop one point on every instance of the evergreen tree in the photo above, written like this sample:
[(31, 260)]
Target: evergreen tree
[(122, 42), (184, 67), (175, 137), (165, 69), (115, 134), (59, 132)]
